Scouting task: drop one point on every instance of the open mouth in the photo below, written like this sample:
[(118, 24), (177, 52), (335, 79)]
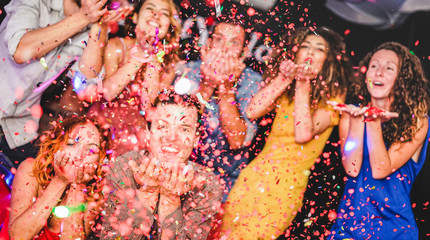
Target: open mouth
[(308, 61), (376, 83), (154, 24), (170, 150)]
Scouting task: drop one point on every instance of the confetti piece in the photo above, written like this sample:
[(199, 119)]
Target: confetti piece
[(308, 62), (44, 85), (43, 62), (160, 56), (217, 8), (199, 96)]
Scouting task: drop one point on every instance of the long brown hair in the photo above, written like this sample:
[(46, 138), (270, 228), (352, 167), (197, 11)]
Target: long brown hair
[(410, 93), (53, 141), (335, 73)]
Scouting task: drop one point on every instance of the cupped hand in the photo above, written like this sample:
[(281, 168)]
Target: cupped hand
[(116, 15), (64, 167), (86, 172), (178, 180), (350, 109), (93, 9), (147, 174), (288, 69), (305, 72)]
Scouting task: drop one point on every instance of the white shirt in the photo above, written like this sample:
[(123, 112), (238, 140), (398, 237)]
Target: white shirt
[(18, 81)]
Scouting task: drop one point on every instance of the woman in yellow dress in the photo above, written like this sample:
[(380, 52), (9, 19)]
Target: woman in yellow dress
[(310, 69)]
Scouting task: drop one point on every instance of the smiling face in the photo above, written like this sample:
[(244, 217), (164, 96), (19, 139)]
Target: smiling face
[(382, 74), (83, 145), (313, 50), (173, 133), (228, 38), (152, 16)]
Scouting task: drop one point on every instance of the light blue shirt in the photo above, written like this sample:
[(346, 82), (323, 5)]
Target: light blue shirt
[(214, 146)]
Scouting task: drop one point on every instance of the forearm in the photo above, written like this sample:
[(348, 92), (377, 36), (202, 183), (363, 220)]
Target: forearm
[(91, 61), (37, 43), (152, 83), (352, 147), (31, 221), (265, 100), (73, 226), (167, 206), (380, 162), (206, 90), (114, 84), (232, 123), (303, 124), (147, 199)]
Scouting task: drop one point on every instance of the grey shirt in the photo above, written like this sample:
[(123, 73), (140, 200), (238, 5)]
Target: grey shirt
[(18, 81), (125, 214)]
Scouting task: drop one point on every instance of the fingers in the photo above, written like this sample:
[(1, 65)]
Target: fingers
[(305, 72), (390, 115), (288, 68), (245, 53)]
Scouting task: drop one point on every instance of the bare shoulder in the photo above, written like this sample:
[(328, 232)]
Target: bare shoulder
[(26, 167)]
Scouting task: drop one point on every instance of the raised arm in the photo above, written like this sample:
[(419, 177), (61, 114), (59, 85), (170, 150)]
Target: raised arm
[(118, 77), (306, 124), (384, 162), (265, 100), (29, 212), (37, 42)]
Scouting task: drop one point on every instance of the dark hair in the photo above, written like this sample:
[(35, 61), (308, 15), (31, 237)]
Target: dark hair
[(335, 73), (232, 21), (410, 93), (169, 96)]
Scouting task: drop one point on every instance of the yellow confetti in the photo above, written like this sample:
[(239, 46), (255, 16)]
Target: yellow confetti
[(44, 64)]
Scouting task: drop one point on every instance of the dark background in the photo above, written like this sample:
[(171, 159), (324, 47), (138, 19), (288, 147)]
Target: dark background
[(326, 179)]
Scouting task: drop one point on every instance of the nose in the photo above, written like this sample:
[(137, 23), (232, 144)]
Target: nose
[(379, 71), (156, 13), (171, 135), (311, 50)]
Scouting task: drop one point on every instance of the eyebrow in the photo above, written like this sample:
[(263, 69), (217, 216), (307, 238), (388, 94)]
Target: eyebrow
[(323, 44)]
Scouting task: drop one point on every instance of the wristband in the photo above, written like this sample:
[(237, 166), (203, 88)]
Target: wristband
[(80, 82)]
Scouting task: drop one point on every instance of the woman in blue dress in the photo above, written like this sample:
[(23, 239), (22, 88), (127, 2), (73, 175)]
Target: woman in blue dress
[(384, 141)]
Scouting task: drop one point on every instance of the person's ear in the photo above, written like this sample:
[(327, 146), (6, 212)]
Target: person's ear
[(196, 140)]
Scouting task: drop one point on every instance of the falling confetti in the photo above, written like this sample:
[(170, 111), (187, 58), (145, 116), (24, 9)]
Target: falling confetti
[(43, 62), (217, 8), (199, 96)]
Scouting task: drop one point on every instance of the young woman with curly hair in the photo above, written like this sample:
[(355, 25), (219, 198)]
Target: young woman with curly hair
[(384, 142), (311, 68), (67, 172)]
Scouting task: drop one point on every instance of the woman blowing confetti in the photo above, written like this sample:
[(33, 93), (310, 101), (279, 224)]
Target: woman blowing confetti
[(269, 191), (384, 146), (58, 194), (137, 68)]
